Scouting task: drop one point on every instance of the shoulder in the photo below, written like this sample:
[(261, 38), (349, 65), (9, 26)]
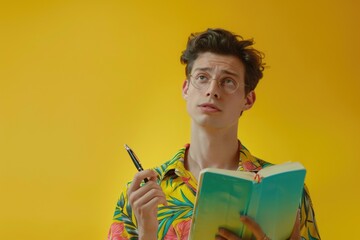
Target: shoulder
[(262, 162), (168, 166), (249, 162), (171, 164)]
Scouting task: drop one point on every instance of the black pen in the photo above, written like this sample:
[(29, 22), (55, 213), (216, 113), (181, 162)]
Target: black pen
[(135, 160)]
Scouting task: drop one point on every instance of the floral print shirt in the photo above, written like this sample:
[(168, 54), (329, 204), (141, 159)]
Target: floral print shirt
[(180, 186)]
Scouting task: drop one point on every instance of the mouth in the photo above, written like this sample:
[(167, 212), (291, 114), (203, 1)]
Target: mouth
[(209, 107)]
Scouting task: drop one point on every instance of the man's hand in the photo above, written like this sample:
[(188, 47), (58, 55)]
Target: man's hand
[(224, 234), (295, 235), (144, 202)]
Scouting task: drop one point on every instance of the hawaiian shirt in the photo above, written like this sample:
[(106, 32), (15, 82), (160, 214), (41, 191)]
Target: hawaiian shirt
[(180, 186)]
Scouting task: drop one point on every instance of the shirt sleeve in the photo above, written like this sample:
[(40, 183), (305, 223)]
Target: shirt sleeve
[(124, 225), (309, 229)]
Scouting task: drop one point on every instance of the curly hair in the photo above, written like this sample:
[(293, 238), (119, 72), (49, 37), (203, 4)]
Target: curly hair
[(223, 42)]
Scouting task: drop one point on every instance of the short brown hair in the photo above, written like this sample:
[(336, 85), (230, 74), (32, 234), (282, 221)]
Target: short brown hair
[(223, 42)]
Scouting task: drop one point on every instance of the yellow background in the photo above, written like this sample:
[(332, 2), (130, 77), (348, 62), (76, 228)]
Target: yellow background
[(80, 79)]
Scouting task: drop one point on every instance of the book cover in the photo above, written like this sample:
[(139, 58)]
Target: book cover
[(271, 197)]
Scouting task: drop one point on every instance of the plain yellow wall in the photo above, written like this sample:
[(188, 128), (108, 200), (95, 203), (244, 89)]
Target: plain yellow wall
[(78, 79)]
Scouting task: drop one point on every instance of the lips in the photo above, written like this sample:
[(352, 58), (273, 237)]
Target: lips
[(209, 107)]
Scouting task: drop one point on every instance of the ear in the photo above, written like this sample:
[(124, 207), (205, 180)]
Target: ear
[(185, 89), (250, 100)]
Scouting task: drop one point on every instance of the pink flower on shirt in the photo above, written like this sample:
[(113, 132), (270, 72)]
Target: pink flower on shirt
[(180, 232), (249, 166), (116, 232)]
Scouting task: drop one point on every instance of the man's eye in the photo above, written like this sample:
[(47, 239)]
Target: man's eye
[(202, 78), (228, 82)]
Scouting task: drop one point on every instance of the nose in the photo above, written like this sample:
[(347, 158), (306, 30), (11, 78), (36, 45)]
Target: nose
[(213, 89)]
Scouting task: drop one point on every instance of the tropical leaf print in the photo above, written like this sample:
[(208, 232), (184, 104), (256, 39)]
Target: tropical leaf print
[(180, 188), (179, 208)]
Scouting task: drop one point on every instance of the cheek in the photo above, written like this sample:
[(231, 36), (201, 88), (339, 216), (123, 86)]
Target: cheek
[(191, 96), (238, 112), (190, 103), (239, 107)]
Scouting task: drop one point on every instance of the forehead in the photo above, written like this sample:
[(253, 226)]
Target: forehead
[(217, 63)]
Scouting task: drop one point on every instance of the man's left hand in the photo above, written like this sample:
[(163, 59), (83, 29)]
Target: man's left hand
[(224, 234)]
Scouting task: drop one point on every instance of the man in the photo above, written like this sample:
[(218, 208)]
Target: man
[(222, 71)]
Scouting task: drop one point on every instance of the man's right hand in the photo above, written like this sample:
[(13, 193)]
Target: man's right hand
[(144, 201)]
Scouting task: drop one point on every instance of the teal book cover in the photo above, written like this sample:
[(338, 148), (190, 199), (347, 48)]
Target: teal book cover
[(271, 197)]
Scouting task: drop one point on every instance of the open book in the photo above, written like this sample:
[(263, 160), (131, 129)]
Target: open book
[(271, 197)]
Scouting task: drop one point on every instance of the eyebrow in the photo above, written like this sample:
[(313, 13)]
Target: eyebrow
[(208, 69)]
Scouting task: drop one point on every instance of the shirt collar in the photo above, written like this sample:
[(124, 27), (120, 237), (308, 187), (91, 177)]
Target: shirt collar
[(176, 166)]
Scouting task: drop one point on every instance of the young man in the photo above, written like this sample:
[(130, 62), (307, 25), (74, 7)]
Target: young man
[(222, 72)]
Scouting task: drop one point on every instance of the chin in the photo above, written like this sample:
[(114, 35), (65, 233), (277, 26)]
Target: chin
[(208, 123)]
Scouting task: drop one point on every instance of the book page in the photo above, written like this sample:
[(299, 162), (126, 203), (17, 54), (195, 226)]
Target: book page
[(279, 168)]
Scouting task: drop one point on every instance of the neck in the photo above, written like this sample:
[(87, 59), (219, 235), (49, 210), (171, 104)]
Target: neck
[(212, 148)]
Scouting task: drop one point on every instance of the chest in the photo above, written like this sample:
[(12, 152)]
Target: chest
[(176, 217)]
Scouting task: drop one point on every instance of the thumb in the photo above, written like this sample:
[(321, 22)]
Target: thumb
[(153, 176)]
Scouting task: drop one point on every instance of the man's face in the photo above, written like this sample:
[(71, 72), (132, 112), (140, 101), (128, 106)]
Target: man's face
[(211, 106)]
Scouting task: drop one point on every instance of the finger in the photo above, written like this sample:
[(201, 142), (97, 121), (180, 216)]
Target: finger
[(144, 209), (146, 194), (153, 203), (226, 234), (218, 237), (253, 227), (139, 177), (154, 176), (142, 190), (295, 235)]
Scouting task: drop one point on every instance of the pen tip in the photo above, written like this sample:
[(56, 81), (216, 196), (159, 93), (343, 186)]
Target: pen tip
[(126, 147)]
